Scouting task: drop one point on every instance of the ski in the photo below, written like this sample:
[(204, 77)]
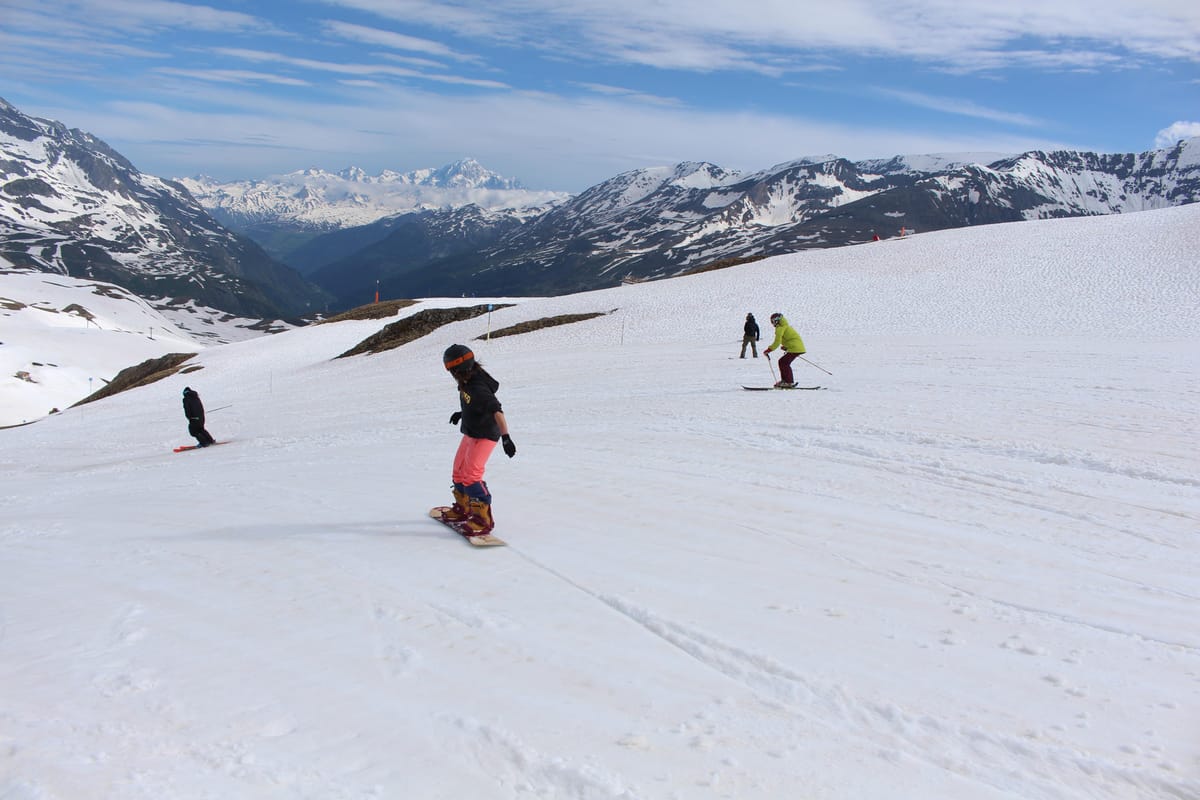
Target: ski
[(780, 388), (486, 540), (186, 447)]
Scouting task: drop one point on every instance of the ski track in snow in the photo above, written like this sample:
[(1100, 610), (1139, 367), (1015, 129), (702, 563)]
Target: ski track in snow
[(1011, 477), (899, 734)]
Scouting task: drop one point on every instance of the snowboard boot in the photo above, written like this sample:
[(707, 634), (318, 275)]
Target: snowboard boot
[(479, 522), (457, 512)]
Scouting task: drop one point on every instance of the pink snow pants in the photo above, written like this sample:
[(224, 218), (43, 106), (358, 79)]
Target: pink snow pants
[(470, 459)]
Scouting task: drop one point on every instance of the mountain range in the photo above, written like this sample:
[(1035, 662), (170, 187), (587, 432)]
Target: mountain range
[(283, 212), (654, 223), (661, 222), (72, 205), (314, 240)]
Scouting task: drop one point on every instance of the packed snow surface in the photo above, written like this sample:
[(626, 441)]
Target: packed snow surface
[(966, 569), (62, 338)]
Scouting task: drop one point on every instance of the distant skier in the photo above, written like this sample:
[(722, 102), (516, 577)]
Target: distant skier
[(483, 426), (750, 335), (193, 409), (793, 346)]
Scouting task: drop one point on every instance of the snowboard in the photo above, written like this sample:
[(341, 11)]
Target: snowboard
[(780, 388), (186, 447), (486, 540)]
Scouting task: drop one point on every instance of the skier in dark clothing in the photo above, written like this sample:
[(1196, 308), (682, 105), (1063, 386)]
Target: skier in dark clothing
[(481, 420), (193, 409), (750, 335)]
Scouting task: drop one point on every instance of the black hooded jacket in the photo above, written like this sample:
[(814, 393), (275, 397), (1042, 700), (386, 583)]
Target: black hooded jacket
[(193, 409), (477, 399)]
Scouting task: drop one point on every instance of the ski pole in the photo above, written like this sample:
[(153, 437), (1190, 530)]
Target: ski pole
[(220, 409), (767, 356), (818, 366)]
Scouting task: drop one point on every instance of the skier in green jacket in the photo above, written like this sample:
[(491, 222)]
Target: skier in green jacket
[(787, 338)]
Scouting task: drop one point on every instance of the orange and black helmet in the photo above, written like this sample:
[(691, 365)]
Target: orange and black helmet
[(458, 358)]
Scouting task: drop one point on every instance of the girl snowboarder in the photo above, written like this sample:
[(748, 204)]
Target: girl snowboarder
[(483, 425)]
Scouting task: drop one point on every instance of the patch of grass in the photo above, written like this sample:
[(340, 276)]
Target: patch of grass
[(412, 328), (386, 308), (544, 322), (143, 374), (723, 263), (115, 292), (79, 311)]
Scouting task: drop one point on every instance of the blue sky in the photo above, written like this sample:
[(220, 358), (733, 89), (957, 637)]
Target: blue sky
[(563, 94)]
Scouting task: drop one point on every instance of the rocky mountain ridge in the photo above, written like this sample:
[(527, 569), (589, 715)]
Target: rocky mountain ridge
[(665, 221), (70, 204)]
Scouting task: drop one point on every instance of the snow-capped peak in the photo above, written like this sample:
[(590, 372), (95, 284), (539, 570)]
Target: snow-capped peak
[(351, 196)]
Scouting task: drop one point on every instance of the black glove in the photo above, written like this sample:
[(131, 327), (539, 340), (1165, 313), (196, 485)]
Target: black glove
[(510, 449), (455, 417)]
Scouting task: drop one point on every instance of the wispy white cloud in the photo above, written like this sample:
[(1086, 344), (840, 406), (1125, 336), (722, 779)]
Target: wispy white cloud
[(779, 37), (958, 106), (482, 20), (76, 45), (136, 17), (668, 51), (1171, 134), (358, 69), (232, 76), (684, 34), (393, 40), (629, 94), (412, 61), (997, 61)]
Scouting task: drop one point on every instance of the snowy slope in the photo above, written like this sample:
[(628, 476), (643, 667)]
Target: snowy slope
[(61, 338), (966, 570)]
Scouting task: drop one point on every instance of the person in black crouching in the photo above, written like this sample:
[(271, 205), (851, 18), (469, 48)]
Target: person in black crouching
[(193, 409)]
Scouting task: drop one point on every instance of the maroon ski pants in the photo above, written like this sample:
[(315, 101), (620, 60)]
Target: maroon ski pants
[(785, 367)]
